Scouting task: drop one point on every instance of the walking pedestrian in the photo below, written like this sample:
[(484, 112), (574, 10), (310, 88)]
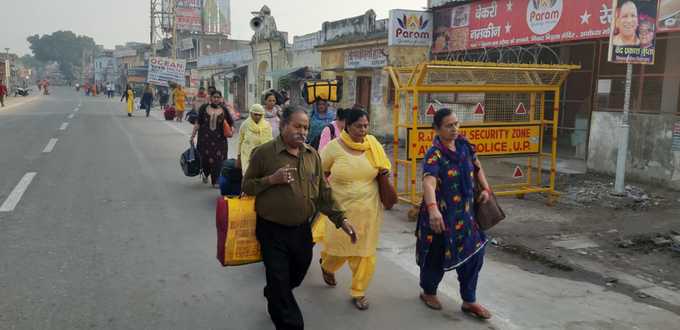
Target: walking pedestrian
[(353, 162), (286, 177), (448, 236), (320, 117), (333, 130), (253, 132), (201, 99), (163, 97), (129, 96), (212, 139), (179, 97), (272, 112), (3, 92), (147, 99), (109, 90)]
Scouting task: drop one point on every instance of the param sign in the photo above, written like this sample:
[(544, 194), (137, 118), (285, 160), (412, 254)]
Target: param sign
[(488, 140)]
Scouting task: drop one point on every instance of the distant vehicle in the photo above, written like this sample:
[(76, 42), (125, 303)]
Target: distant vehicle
[(21, 91)]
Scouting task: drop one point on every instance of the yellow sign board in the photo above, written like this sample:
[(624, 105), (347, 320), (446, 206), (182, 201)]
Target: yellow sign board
[(488, 140)]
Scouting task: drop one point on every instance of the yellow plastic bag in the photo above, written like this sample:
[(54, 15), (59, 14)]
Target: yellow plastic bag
[(236, 241)]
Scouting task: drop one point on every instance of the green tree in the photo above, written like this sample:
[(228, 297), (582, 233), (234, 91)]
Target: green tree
[(63, 47)]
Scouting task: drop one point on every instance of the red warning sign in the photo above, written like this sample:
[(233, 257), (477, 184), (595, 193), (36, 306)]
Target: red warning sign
[(518, 173), (479, 109), (521, 109), (431, 110)]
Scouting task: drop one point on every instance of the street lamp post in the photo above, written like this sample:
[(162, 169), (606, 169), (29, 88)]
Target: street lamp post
[(7, 68)]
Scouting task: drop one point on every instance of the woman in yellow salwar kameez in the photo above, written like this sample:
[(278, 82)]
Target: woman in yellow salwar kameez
[(353, 161), (130, 96), (253, 132)]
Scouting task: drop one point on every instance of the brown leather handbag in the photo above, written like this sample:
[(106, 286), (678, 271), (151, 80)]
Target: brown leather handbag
[(488, 214), (388, 195)]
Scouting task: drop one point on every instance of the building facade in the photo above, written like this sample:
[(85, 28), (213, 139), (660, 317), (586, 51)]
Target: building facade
[(592, 97)]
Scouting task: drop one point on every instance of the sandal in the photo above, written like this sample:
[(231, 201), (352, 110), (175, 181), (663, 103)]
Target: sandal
[(431, 301), (361, 303), (476, 310), (329, 278)]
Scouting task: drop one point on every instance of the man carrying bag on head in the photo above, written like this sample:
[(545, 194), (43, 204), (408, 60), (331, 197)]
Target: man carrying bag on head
[(286, 177)]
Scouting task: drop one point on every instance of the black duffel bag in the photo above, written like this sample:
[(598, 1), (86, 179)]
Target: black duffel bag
[(191, 164)]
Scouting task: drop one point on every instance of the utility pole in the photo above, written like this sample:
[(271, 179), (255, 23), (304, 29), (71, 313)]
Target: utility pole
[(173, 5), (152, 40)]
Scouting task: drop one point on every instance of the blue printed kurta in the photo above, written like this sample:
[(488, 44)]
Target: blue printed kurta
[(462, 238)]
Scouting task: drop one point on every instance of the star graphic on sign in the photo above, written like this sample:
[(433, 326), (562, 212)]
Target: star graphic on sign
[(508, 27), (585, 18), (508, 5)]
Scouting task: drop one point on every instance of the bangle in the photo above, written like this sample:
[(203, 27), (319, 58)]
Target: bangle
[(429, 205)]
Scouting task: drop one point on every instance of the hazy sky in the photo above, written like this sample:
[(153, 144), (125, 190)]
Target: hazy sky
[(112, 22)]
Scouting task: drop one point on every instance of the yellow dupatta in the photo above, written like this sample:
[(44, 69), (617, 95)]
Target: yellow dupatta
[(374, 150), (261, 128)]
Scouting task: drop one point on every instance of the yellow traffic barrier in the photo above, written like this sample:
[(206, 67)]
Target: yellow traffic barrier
[(502, 108)]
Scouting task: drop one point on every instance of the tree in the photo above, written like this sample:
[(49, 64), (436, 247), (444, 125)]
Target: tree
[(63, 47)]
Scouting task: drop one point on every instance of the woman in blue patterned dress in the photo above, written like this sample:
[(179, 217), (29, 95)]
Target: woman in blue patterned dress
[(448, 236)]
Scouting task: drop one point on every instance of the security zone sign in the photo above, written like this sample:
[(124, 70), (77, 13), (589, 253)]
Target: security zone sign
[(488, 140)]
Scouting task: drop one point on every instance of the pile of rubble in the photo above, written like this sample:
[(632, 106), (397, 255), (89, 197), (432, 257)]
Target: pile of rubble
[(653, 242), (590, 192)]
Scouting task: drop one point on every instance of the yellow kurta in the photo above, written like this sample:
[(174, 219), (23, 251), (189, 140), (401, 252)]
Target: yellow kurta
[(130, 101), (354, 185), (252, 135), (180, 100)]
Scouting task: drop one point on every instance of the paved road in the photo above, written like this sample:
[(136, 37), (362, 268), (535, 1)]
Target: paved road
[(109, 235)]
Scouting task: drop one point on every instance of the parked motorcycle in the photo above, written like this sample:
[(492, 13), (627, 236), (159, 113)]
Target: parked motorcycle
[(21, 91)]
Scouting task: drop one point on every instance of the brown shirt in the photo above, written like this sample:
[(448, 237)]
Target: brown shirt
[(295, 203)]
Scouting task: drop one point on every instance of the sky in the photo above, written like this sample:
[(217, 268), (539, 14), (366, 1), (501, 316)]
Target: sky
[(114, 22)]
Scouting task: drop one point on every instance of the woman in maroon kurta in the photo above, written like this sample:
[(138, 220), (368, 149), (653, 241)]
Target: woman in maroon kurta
[(212, 143)]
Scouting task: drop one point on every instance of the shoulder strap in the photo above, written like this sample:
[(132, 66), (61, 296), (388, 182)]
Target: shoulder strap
[(331, 127)]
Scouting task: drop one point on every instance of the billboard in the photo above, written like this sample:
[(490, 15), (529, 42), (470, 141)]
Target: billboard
[(365, 58), (163, 70), (409, 28), (216, 17), (188, 19), (491, 23), (632, 38)]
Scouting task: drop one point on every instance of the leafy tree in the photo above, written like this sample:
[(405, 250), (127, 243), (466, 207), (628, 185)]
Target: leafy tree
[(63, 47)]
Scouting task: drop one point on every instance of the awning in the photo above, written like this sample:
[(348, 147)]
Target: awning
[(298, 73)]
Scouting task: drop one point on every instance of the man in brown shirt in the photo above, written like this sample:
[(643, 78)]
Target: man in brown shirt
[(286, 177)]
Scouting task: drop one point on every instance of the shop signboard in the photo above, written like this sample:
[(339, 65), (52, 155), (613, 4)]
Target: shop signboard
[(410, 28), (501, 23), (488, 140), (365, 58), (163, 70), (632, 38)]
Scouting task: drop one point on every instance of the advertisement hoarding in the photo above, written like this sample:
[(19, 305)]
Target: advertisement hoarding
[(163, 70), (500, 23), (216, 17), (188, 19), (409, 28), (632, 38), (669, 16)]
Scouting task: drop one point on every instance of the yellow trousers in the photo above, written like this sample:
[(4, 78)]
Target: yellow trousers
[(362, 270)]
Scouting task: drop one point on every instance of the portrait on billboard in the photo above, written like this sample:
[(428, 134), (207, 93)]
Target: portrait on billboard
[(633, 31)]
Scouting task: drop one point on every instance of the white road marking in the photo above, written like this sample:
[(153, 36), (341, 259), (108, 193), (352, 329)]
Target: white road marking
[(50, 145), (63, 126), (71, 116), (16, 194)]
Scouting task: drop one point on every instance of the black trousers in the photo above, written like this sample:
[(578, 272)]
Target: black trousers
[(287, 254)]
